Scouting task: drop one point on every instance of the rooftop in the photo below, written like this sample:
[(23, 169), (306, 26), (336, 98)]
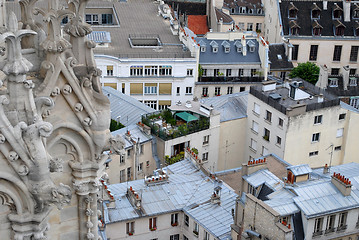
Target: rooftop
[(187, 190), (230, 106), (278, 59), (125, 108), (198, 24), (135, 134)]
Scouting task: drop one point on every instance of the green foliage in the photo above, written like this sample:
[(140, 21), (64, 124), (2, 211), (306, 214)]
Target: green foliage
[(307, 71), (195, 150), (183, 129), (114, 125), (174, 159), (200, 70)]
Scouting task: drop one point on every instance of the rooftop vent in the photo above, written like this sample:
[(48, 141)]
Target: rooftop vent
[(159, 176), (342, 183), (275, 96)]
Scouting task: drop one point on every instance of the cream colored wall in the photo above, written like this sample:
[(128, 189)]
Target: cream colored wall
[(224, 88), (272, 29), (325, 51), (299, 137), (232, 144), (350, 150), (248, 19)]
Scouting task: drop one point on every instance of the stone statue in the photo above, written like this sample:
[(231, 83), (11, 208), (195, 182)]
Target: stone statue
[(54, 124)]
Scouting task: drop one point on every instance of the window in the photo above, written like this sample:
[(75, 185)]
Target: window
[(229, 90), (330, 223), (206, 235), (174, 237), (128, 153), (205, 156), (205, 92), (241, 26), (258, 27), (294, 31), (140, 167), (242, 89), (151, 89), (268, 116), (354, 53), (130, 228), (107, 19), (188, 90), (147, 163), (214, 49), (178, 90), (342, 223), (174, 219), (295, 52), (264, 151), (315, 137), (352, 72), (186, 220), (317, 31), (337, 13), (249, 26), (151, 70), (217, 91), (340, 132), (205, 139), (318, 224), (255, 126), (293, 13), (189, 72), (339, 31), (129, 174), (334, 71), (92, 19), (280, 122), (152, 223), (266, 135), (216, 72), (165, 70), (279, 140), (204, 72), (252, 190), (338, 148), (356, 13), (253, 144), (122, 175), (136, 71), (228, 72), (203, 48), (253, 72), (342, 116), (195, 229), (122, 158), (318, 119), (184, 237), (315, 153), (151, 104), (240, 72), (313, 53), (316, 13), (257, 109), (109, 70), (337, 53)]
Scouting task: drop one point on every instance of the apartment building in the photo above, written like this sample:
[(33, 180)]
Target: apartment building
[(309, 203), (233, 125), (190, 125), (300, 123), (230, 62), (137, 159), (139, 53), (178, 202), (322, 32)]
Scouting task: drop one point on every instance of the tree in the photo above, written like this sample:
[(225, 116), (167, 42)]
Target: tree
[(307, 71), (114, 125)]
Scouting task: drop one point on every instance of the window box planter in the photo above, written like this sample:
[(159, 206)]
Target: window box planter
[(130, 233), (195, 233), (153, 229), (174, 224)]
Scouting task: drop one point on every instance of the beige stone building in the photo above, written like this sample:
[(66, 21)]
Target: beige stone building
[(298, 123), (178, 202), (137, 160), (306, 204)]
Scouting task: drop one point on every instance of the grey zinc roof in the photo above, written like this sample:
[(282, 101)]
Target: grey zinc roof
[(317, 196), (264, 176), (233, 57), (128, 108), (300, 169), (188, 190), (230, 106), (135, 132)]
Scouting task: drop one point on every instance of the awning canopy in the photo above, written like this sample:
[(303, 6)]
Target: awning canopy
[(186, 116)]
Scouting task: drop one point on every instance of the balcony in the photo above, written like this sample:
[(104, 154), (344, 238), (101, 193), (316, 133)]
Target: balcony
[(213, 79), (167, 125), (316, 234), (330, 230), (342, 228)]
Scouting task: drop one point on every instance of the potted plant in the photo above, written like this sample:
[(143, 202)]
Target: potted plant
[(130, 233), (153, 229), (174, 224)]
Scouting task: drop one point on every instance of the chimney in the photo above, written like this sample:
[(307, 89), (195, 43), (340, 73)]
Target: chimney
[(325, 5), (320, 98), (216, 195), (346, 77), (244, 44), (323, 77), (251, 167), (346, 9), (134, 198), (342, 184), (326, 169), (269, 86)]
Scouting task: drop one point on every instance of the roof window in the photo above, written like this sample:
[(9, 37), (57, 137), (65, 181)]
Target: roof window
[(226, 46), (337, 11), (315, 11), (293, 11), (214, 46)]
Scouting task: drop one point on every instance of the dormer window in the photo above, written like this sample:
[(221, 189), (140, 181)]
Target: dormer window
[(352, 81), (214, 46), (226, 46), (317, 28), (333, 82), (239, 46), (202, 45), (294, 27), (259, 11), (337, 11), (243, 10), (251, 45), (250, 11), (339, 28), (293, 11), (356, 11), (233, 10), (315, 11), (356, 28), (203, 48)]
